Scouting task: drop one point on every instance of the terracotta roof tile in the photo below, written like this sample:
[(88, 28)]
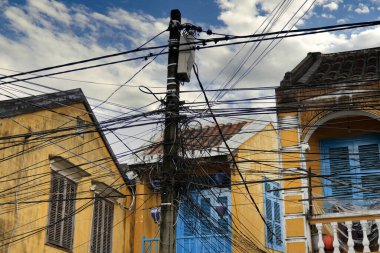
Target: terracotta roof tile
[(201, 138), (349, 66)]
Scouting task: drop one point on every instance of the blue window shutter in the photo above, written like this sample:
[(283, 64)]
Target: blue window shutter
[(206, 231), (223, 221), (277, 222), (353, 161), (269, 220), (369, 169), (340, 170), (205, 216), (273, 215), (189, 225)]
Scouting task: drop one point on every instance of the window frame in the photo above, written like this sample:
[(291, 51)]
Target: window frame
[(353, 144)]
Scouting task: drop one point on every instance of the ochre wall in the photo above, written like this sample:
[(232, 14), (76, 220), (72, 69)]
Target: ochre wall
[(262, 151), (144, 224), (26, 177)]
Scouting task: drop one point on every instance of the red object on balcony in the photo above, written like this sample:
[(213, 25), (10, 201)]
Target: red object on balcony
[(328, 241)]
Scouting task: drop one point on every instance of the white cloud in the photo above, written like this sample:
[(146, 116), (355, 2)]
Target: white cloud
[(349, 7), (44, 36), (362, 9), (343, 20), (327, 16), (62, 33), (332, 6)]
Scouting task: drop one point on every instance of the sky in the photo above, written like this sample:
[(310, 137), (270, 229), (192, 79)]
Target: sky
[(41, 33)]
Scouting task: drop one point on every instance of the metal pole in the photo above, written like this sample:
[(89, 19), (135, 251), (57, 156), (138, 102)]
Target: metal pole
[(168, 190)]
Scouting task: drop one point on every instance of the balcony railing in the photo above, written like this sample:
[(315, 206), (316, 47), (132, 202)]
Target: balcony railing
[(198, 244), (350, 232)]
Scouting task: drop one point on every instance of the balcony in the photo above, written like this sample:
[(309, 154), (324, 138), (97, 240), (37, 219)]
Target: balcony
[(346, 232)]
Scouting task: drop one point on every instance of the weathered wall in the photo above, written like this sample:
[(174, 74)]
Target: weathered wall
[(26, 177), (261, 150)]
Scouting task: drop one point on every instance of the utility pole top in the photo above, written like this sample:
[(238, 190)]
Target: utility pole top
[(175, 15)]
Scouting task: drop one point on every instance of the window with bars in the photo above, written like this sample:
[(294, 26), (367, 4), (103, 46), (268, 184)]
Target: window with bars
[(272, 208), (352, 166), (102, 224), (60, 229)]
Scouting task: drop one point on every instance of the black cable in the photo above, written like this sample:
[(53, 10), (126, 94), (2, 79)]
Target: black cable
[(232, 156)]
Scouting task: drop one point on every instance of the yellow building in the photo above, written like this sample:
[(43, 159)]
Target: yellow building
[(328, 114), (215, 212), (61, 187)]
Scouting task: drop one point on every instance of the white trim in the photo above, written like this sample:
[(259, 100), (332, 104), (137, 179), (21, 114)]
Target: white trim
[(338, 94), (288, 122), (293, 192), (249, 130), (106, 191), (347, 214), (296, 239)]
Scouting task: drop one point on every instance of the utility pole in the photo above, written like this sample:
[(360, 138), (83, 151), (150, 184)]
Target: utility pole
[(168, 188)]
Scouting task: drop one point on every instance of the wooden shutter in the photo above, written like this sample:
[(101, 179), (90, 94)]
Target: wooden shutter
[(269, 216), (69, 210), (340, 169), (102, 225), (369, 169), (277, 217), (54, 211), (61, 211), (108, 225), (273, 216)]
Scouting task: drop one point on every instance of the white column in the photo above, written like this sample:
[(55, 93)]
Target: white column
[(336, 241), (364, 224), (321, 245), (378, 232), (350, 242)]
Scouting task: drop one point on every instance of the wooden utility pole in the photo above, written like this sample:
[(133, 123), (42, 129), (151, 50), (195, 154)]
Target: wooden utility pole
[(168, 189)]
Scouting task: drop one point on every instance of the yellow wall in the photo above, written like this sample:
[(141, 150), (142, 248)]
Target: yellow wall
[(22, 225), (246, 219), (144, 225)]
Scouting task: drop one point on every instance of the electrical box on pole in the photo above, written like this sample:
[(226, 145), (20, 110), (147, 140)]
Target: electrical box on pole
[(185, 57)]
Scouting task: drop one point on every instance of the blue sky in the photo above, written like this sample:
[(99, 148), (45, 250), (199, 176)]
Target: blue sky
[(41, 33)]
